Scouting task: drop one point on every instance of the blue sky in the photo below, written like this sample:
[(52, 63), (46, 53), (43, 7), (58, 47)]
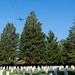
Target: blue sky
[(55, 15)]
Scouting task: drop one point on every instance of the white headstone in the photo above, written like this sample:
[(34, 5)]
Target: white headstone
[(17, 70), (66, 72), (57, 69), (67, 66), (14, 67), (50, 74), (72, 67), (30, 72), (50, 68), (1, 72), (55, 72), (6, 67), (7, 73), (39, 73), (23, 71), (26, 68), (46, 69), (11, 70), (33, 69), (0, 67), (38, 68), (74, 70)]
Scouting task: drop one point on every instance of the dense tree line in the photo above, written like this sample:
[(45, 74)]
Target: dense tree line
[(33, 46)]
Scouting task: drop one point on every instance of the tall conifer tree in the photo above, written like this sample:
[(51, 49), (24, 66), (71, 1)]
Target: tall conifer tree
[(9, 43), (52, 48), (69, 45), (32, 38)]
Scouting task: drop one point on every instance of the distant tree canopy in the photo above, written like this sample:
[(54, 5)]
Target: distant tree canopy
[(34, 46)]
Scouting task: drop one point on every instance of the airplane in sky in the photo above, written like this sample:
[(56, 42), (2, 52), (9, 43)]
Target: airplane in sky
[(20, 19)]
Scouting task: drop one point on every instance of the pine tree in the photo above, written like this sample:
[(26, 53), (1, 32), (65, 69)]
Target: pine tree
[(9, 43), (72, 34), (51, 40), (69, 46), (62, 52), (52, 48), (32, 40)]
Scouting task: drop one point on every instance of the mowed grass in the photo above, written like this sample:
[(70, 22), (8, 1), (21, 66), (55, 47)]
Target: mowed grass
[(70, 72)]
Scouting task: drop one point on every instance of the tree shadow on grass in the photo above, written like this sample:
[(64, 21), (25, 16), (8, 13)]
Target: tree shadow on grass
[(69, 73), (59, 73), (42, 73), (26, 73)]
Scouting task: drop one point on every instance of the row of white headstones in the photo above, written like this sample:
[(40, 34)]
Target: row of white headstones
[(56, 69)]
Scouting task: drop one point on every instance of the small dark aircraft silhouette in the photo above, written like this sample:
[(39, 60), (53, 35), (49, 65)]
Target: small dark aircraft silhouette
[(20, 19)]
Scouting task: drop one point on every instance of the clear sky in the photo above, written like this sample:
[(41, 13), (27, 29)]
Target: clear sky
[(55, 15)]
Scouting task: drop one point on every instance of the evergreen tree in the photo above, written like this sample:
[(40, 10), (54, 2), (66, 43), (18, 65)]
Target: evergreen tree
[(62, 53), (71, 36), (0, 51), (60, 43), (69, 45), (9, 43), (52, 48), (32, 40), (51, 40)]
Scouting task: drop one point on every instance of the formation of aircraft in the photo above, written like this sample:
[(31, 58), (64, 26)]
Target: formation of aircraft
[(20, 19)]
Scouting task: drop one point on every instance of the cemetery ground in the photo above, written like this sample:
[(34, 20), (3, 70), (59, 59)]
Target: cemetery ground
[(20, 71)]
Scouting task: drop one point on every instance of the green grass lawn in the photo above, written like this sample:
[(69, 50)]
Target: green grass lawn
[(70, 72)]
